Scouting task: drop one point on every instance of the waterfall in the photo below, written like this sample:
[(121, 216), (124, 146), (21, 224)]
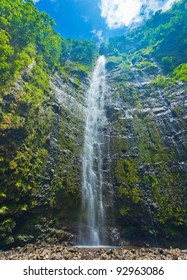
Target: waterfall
[(92, 217)]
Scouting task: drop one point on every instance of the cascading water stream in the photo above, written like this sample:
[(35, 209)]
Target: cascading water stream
[(92, 218)]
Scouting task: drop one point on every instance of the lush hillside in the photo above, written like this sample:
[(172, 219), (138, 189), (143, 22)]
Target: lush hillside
[(161, 39), (27, 34), (31, 52)]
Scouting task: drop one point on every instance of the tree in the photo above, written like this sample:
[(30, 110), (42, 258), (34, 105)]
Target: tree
[(6, 52)]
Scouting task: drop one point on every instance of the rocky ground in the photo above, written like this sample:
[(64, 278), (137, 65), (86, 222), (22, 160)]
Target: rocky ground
[(60, 252)]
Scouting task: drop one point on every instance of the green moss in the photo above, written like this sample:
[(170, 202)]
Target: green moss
[(126, 171), (151, 180), (64, 73), (159, 82), (180, 73), (3, 210), (2, 196), (77, 69), (145, 65), (124, 211), (76, 82), (6, 227), (134, 194), (9, 240)]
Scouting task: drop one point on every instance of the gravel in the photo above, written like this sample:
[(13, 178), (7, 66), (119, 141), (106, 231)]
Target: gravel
[(60, 252)]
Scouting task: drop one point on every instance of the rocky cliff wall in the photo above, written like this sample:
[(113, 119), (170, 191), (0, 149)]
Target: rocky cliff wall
[(40, 146), (149, 157), (145, 158)]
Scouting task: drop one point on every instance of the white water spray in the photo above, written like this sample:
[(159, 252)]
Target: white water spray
[(92, 214)]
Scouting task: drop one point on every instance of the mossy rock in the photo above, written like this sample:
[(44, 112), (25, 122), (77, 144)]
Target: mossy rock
[(6, 227)]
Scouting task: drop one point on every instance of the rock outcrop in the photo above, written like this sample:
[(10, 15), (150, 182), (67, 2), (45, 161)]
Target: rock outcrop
[(145, 160), (148, 149)]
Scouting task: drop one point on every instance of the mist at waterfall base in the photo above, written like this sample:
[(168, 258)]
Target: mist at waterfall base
[(92, 218)]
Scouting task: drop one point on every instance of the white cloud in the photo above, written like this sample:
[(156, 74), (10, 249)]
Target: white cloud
[(85, 18), (36, 1), (118, 13), (98, 34), (168, 4)]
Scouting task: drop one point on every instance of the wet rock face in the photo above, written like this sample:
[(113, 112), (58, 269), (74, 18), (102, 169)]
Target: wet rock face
[(149, 158), (46, 152), (145, 163), (58, 194), (63, 167), (145, 158)]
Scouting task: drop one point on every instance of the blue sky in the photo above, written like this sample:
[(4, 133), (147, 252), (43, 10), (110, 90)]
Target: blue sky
[(99, 19), (80, 19)]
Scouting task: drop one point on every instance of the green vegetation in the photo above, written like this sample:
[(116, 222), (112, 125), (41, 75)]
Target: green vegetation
[(30, 52), (23, 32), (83, 52), (159, 82), (180, 73), (162, 38)]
